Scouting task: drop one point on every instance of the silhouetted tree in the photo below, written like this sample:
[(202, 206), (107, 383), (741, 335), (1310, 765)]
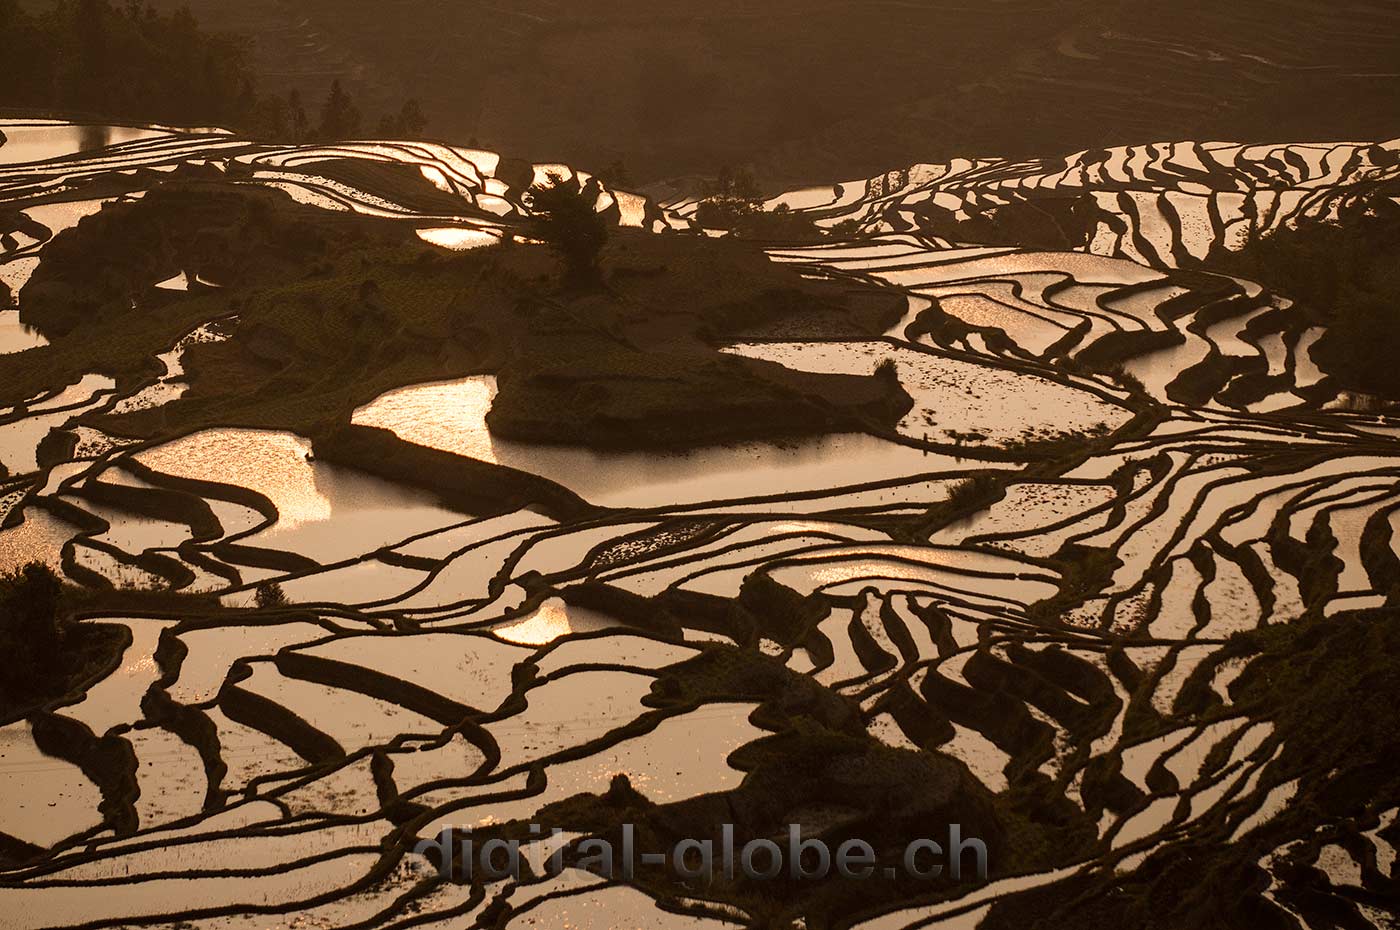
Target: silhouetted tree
[(269, 595), (412, 122), (564, 215), (408, 123), (615, 175), (340, 118), (125, 61), (297, 123), (745, 186), (246, 107), (724, 183), (735, 185), (269, 118)]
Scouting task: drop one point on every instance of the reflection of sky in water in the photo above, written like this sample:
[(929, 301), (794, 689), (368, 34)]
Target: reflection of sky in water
[(60, 216), (39, 142), (273, 464), (549, 622), (39, 538), (46, 798), (19, 439), (451, 415), (367, 512), (457, 239), (15, 336)]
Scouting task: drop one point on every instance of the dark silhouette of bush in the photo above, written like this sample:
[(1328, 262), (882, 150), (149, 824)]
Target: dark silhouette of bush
[(564, 215), (974, 491), (749, 221), (269, 595), (735, 185), (735, 204)]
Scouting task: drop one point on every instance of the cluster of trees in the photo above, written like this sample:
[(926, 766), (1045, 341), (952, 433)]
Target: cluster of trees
[(275, 117), (732, 198), (133, 62), (1344, 274), (734, 202)]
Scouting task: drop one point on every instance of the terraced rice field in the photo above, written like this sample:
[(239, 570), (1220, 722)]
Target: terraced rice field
[(1064, 640)]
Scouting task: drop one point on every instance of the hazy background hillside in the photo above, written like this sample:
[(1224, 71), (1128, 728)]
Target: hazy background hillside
[(817, 89)]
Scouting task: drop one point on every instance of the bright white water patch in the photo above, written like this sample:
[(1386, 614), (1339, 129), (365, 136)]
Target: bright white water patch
[(447, 415), (435, 176), (458, 239), (451, 415), (57, 217), (180, 282), (552, 620), (631, 208)]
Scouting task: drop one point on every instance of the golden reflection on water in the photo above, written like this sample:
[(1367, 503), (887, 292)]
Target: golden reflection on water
[(457, 239), (39, 538), (447, 415), (549, 622), (40, 141), (273, 464), (435, 177), (451, 416)]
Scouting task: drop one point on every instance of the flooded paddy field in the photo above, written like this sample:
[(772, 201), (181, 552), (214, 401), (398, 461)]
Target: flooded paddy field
[(1068, 542)]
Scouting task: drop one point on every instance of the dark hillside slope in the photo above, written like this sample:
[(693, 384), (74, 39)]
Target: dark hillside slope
[(810, 90)]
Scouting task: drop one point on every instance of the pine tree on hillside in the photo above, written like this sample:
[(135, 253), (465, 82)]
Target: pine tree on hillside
[(297, 123), (340, 118)]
